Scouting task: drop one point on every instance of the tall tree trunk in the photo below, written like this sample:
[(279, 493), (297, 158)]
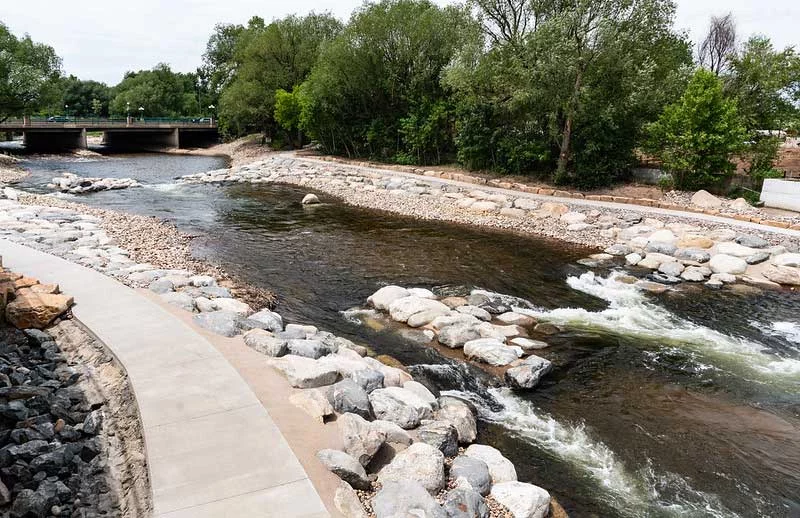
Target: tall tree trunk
[(566, 136)]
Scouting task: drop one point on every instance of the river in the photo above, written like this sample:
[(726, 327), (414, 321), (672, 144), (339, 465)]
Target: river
[(681, 404)]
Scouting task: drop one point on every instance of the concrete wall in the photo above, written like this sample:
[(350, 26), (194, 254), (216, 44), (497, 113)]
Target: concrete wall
[(781, 194), (142, 139)]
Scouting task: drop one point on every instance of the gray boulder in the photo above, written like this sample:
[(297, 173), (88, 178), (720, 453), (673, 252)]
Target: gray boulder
[(225, 323), (393, 433), (368, 379), (441, 435), (400, 406), (265, 343), (751, 241), (661, 247), (465, 503), (179, 299), (757, 258), (523, 500), (161, 286), (270, 320), (360, 440), (421, 463), (693, 254), (491, 351), (345, 467), (529, 373), (346, 501), (309, 348), (474, 472), (500, 468), (457, 335), (302, 372), (215, 292), (402, 499), (403, 308), (347, 396), (460, 415)]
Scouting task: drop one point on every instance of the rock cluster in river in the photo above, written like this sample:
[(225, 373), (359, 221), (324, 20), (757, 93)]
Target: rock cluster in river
[(74, 184), (485, 325), (676, 249)]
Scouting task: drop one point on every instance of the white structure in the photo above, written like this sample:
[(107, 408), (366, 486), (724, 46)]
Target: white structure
[(781, 194)]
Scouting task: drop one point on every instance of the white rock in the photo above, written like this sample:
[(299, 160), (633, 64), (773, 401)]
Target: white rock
[(491, 351), (792, 260), (310, 199), (500, 468), (420, 463), (386, 295), (662, 236), (402, 308), (722, 263), (518, 319), (228, 304), (706, 200), (735, 249), (483, 206), (573, 217), (523, 500)]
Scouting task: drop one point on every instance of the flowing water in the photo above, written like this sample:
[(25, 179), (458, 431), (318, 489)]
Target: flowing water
[(681, 404)]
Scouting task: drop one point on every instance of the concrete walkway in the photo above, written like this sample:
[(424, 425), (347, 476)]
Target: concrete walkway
[(212, 448)]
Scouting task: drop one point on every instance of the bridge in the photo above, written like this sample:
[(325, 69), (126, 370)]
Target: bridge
[(59, 133)]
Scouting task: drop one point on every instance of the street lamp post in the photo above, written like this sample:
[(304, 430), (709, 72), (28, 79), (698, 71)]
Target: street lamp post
[(141, 113), (66, 111), (128, 112), (211, 107)]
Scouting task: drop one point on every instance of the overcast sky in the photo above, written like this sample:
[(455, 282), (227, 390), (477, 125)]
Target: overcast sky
[(101, 40)]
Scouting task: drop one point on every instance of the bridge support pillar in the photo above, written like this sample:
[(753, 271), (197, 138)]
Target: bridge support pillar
[(175, 140), (47, 140)]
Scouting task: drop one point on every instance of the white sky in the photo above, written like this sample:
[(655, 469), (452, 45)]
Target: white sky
[(102, 40)]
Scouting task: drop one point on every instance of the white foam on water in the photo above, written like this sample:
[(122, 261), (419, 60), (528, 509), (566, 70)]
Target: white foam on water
[(162, 187), (636, 495), (630, 313), (789, 331)]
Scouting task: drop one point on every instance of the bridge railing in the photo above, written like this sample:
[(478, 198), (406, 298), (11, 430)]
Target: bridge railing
[(96, 122)]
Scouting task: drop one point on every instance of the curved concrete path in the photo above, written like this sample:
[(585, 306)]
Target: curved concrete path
[(212, 448)]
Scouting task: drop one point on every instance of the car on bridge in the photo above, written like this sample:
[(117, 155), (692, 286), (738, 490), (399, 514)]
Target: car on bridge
[(58, 118)]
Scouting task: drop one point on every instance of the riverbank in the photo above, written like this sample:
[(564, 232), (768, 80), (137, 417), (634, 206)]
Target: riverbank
[(376, 403), (10, 171), (675, 247), (70, 437)]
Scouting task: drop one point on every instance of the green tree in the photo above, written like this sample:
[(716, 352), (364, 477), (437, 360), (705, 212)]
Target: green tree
[(80, 94), (376, 90), (29, 72), (160, 91), (267, 59), (696, 137), (567, 86), (766, 84)]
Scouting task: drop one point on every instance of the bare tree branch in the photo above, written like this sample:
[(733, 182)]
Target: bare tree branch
[(719, 45)]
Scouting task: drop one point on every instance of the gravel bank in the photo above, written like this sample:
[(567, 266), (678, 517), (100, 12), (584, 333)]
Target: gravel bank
[(152, 241)]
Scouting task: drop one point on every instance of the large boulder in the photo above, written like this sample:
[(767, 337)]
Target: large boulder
[(345, 467), (461, 416), (751, 241), (500, 468), (528, 374), (441, 435), (393, 433), (472, 472), (787, 259), (783, 275), (465, 503), (706, 200), (523, 500), (517, 319), (225, 323), (368, 379), (421, 463), (734, 249), (36, 310), (313, 402), (360, 439), (386, 295), (347, 396), (308, 348), (269, 320), (302, 372), (422, 391), (491, 351), (457, 335), (230, 304), (400, 406), (265, 343), (406, 498), (403, 308), (346, 501), (722, 263)]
